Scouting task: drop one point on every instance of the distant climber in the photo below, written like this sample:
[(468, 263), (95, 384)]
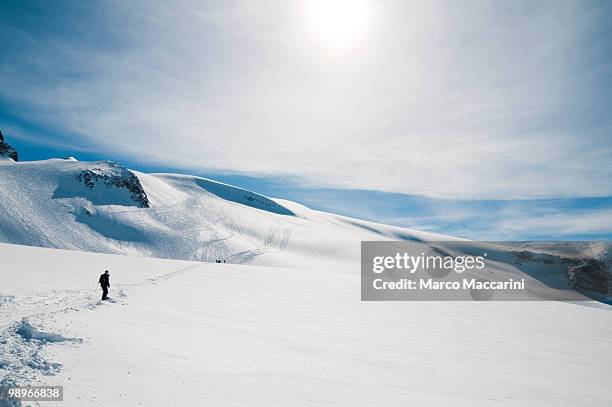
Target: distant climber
[(104, 282)]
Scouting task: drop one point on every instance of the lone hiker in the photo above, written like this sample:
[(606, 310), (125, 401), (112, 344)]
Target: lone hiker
[(105, 283)]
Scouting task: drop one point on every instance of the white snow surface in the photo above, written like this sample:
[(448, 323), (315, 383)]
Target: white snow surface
[(191, 218), (280, 324), (179, 333)]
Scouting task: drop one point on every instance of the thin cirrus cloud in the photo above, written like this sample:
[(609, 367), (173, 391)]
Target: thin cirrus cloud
[(517, 221), (478, 100)]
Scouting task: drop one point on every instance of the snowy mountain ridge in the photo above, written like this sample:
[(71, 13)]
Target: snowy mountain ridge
[(104, 207)]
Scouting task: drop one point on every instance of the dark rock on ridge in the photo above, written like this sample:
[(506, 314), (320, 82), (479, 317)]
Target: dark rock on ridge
[(118, 177), (6, 150)]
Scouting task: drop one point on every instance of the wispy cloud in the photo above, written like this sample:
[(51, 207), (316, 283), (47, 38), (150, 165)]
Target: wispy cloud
[(564, 219), (577, 223), (457, 99)]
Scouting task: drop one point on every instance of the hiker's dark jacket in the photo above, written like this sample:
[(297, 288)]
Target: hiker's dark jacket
[(104, 280)]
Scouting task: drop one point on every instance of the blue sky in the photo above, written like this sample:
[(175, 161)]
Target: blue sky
[(479, 119)]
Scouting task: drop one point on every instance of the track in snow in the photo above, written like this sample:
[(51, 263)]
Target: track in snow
[(23, 356)]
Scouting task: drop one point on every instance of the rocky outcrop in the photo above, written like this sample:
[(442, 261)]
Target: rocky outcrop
[(116, 176), (588, 274), (6, 150)]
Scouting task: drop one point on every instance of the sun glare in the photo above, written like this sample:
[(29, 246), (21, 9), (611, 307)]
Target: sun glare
[(339, 24)]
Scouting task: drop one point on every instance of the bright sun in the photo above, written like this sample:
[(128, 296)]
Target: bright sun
[(339, 24)]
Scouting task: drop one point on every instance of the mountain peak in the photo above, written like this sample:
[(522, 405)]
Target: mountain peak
[(6, 151)]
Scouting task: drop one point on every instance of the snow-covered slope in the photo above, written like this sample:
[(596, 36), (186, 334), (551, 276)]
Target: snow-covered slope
[(181, 333), (106, 208), (103, 207), (184, 334)]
